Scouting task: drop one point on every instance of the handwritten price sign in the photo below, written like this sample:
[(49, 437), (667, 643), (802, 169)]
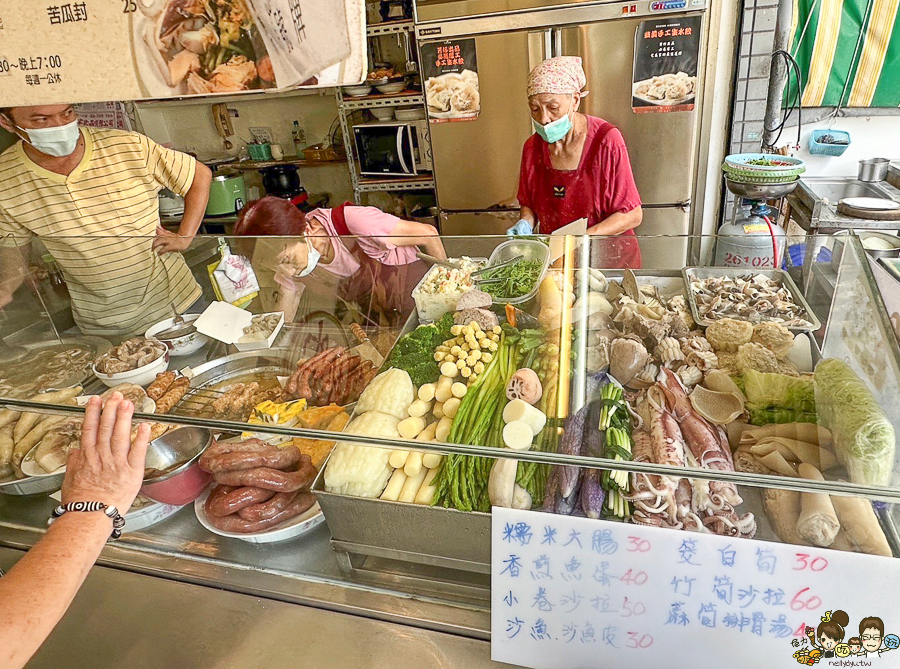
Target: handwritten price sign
[(566, 591)]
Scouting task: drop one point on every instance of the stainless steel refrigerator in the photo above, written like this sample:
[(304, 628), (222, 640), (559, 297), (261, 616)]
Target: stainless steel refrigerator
[(476, 163)]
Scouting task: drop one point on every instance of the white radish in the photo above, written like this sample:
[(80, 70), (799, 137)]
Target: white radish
[(523, 411), (459, 389), (502, 482), (451, 406), (394, 486), (517, 435), (438, 410), (411, 487), (426, 392), (442, 391), (443, 429), (431, 460), (428, 433), (413, 463), (448, 369), (398, 458), (521, 498), (409, 428), (419, 408), (426, 492)]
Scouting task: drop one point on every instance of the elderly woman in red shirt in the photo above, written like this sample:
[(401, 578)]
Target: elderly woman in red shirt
[(576, 166)]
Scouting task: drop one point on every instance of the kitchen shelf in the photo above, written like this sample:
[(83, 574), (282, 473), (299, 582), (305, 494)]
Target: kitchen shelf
[(299, 162), (375, 185), (390, 28), (396, 100)]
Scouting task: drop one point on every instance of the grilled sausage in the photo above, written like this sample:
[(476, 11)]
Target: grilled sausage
[(234, 523), (271, 479), (158, 388), (276, 458), (248, 446), (232, 500), (265, 510)]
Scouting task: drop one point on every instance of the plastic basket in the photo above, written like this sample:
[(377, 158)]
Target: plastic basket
[(817, 148)]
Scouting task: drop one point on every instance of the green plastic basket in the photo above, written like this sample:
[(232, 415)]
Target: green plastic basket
[(756, 177)]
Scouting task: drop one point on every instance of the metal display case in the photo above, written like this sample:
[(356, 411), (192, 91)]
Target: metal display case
[(413, 564)]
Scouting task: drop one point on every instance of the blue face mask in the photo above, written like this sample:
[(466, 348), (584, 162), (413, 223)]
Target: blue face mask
[(553, 131)]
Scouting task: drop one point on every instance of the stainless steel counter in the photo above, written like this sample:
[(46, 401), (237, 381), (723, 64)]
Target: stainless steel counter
[(120, 618), (814, 212), (300, 571)]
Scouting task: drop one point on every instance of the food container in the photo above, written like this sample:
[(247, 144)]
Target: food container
[(33, 485), (140, 376), (357, 91), (431, 306), (532, 250), (873, 169), (383, 113), (176, 478), (391, 88), (779, 276), (295, 527), (873, 243), (225, 322), (184, 345), (819, 148)]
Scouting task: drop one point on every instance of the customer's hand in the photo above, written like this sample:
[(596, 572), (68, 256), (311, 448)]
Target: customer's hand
[(523, 227), (108, 467), (170, 242)]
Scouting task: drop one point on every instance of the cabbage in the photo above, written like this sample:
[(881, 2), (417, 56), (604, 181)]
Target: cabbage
[(863, 435), (777, 398)]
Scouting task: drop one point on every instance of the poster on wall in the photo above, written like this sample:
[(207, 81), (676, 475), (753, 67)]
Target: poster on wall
[(450, 69), (666, 57), (97, 50), (103, 115)]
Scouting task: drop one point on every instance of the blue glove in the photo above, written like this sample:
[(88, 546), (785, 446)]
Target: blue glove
[(523, 227)]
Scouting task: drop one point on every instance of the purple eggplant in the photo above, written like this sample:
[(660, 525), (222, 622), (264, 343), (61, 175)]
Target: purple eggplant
[(592, 493), (571, 444), (551, 491), (566, 505)]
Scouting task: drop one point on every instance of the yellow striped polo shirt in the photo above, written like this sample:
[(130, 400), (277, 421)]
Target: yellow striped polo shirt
[(99, 223)]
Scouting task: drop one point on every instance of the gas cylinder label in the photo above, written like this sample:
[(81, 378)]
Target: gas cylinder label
[(736, 260), (753, 228)]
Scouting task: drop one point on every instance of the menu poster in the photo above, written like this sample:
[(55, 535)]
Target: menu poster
[(577, 592), (666, 57), (450, 70)]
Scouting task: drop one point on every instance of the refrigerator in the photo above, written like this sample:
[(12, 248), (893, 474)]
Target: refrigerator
[(476, 162)]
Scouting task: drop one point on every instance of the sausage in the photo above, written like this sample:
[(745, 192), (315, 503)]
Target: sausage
[(173, 395), (271, 479), (158, 388), (265, 510), (217, 492), (276, 458), (247, 446), (234, 523), (222, 404), (233, 500)]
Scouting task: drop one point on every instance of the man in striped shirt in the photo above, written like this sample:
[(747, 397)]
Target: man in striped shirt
[(90, 196)]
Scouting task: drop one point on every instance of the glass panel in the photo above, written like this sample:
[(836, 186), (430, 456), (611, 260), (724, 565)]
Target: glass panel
[(671, 448)]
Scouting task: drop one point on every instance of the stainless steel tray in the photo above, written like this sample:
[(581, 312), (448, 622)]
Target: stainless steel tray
[(777, 275), (32, 485)]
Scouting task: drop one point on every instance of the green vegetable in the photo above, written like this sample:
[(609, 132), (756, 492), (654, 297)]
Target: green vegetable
[(776, 398), (414, 352), (863, 435), (516, 280)]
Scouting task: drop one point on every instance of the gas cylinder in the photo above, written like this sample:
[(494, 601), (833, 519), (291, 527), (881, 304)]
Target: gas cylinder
[(752, 240)]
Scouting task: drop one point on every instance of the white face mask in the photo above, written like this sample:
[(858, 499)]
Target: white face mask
[(58, 141), (312, 258)]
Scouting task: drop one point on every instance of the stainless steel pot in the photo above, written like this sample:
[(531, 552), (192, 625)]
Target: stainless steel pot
[(873, 169)]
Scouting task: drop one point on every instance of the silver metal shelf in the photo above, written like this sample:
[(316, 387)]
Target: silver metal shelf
[(369, 102), (390, 28), (394, 185)]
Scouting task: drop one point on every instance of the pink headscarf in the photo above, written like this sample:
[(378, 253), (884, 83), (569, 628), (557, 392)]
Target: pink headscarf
[(561, 75)]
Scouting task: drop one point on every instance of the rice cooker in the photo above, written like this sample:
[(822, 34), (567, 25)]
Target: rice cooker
[(227, 194)]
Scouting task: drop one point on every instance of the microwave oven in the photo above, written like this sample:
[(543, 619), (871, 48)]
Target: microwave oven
[(393, 148)]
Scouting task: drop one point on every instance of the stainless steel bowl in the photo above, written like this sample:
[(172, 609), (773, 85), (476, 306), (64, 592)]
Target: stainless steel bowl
[(174, 452), (33, 485), (761, 191)]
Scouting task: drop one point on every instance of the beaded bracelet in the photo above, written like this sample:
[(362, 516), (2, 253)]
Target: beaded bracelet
[(111, 511)]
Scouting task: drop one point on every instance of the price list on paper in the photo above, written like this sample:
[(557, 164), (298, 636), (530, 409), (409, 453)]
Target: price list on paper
[(578, 592)]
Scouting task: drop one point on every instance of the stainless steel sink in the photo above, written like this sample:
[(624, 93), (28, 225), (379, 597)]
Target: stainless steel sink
[(834, 190)]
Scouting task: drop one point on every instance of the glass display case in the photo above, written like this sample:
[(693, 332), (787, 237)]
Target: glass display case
[(557, 382)]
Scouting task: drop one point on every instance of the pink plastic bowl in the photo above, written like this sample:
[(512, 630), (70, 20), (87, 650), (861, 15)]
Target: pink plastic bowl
[(172, 463)]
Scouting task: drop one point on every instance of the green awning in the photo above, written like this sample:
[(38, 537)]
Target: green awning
[(848, 52)]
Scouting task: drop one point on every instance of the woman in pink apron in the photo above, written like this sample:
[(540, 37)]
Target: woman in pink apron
[(576, 166), (359, 254)]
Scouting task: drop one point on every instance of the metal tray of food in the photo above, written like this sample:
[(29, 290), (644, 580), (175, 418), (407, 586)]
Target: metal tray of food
[(43, 366), (781, 277)]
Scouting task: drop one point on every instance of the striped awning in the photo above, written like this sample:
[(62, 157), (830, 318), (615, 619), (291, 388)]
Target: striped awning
[(848, 52)]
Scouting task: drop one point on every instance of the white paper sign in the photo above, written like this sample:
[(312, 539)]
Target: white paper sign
[(575, 592)]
